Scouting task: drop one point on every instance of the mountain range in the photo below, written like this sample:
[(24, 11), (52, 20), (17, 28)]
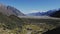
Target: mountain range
[(51, 13), (9, 10)]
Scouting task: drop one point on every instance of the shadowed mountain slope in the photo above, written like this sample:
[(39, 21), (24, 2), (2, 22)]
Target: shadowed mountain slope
[(56, 14)]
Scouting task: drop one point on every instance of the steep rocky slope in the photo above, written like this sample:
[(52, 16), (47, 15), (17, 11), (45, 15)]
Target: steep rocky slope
[(8, 10)]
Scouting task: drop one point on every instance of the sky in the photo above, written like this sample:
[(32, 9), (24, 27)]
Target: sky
[(31, 6)]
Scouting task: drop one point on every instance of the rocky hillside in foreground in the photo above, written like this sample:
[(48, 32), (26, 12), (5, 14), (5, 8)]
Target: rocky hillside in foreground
[(11, 24), (14, 25)]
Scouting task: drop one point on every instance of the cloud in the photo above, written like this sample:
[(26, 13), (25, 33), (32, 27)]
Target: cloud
[(34, 11)]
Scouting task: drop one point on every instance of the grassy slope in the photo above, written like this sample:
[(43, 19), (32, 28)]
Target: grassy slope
[(15, 25), (11, 23)]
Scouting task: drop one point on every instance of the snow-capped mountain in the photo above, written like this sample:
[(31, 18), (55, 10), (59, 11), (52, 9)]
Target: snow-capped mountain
[(47, 13)]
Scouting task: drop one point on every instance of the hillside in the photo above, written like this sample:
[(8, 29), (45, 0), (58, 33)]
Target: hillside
[(10, 23), (9, 10), (15, 25)]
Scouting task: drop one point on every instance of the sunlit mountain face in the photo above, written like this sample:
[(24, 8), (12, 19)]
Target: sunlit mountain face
[(8, 10)]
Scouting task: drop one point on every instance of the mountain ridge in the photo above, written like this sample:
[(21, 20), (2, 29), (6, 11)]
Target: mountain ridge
[(8, 10), (47, 13)]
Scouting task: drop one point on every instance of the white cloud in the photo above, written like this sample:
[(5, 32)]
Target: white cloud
[(34, 11)]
